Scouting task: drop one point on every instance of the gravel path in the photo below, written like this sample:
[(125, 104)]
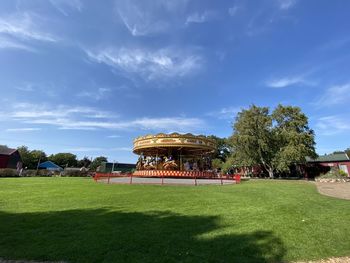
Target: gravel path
[(330, 260), (339, 190)]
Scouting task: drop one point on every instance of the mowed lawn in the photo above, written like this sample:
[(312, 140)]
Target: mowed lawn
[(78, 220)]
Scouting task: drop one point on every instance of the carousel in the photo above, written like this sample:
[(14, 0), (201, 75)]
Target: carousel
[(174, 155)]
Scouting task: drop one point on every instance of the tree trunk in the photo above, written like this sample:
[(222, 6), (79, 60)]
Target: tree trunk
[(271, 175)]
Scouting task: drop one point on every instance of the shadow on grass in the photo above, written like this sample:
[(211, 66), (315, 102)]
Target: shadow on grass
[(113, 236)]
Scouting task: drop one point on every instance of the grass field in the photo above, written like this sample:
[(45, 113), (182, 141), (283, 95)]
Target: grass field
[(77, 220)]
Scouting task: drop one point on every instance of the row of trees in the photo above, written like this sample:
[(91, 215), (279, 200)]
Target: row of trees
[(31, 159), (274, 141)]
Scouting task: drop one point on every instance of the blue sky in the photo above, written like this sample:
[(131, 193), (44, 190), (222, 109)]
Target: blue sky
[(89, 76)]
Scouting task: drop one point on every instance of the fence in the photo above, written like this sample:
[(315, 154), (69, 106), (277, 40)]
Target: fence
[(130, 178)]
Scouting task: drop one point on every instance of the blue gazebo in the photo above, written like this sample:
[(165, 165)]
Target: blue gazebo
[(48, 165)]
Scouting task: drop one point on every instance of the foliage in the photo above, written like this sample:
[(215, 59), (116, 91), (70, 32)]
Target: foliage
[(223, 148), (64, 159), (97, 162), (334, 173), (274, 140), (75, 173), (7, 172), (85, 162), (31, 159), (217, 163)]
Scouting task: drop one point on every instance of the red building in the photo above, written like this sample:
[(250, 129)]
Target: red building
[(10, 158), (325, 163)]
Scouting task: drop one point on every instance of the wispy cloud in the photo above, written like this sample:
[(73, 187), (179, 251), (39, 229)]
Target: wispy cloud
[(232, 11), (285, 82), (227, 113), (7, 43), (144, 18), (113, 136), (24, 26), (286, 4), (200, 17), (98, 94), (84, 118), (147, 64), (334, 124), (335, 95), (65, 6), (23, 129), (98, 149), (335, 44)]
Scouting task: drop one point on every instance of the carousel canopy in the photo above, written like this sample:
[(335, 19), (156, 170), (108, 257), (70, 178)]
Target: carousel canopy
[(185, 143)]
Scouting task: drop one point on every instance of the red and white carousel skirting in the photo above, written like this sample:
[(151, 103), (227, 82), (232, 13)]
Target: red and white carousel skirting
[(166, 173)]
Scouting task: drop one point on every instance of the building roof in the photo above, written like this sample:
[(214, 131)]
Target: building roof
[(50, 166), (6, 151), (334, 157)]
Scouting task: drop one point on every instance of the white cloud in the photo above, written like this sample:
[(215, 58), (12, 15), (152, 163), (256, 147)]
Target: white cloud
[(149, 17), (286, 4), (331, 125), (84, 118), (23, 26), (232, 11), (98, 94), (113, 136), (22, 129), (98, 149), (200, 17), (7, 43), (285, 82), (64, 6), (339, 94), (149, 65), (227, 113)]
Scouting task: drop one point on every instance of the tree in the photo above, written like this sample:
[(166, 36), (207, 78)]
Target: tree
[(97, 162), (217, 163), (26, 157), (85, 162), (64, 159), (223, 148), (274, 141), (31, 159)]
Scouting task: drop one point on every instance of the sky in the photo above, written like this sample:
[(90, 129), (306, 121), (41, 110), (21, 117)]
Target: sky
[(88, 77)]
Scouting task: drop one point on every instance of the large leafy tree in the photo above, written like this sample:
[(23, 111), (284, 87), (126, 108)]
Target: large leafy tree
[(274, 140), (31, 158), (97, 162), (64, 159), (85, 162)]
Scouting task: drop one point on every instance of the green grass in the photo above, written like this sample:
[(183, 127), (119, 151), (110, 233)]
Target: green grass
[(77, 220)]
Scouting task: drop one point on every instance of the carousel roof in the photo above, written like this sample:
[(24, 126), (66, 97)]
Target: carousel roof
[(161, 142)]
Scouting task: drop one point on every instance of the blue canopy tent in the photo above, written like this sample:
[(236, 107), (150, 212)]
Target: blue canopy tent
[(48, 165)]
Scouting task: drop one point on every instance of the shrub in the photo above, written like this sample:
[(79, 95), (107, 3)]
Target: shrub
[(334, 173), (7, 172), (75, 173)]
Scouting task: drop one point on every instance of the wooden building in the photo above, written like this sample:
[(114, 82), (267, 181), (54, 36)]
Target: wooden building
[(10, 158)]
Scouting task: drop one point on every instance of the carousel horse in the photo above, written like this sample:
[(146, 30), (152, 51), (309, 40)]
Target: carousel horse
[(150, 164), (169, 164)]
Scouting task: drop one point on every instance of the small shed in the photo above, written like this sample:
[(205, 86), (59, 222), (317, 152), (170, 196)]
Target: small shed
[(10, 158), (325, 162), (48, 165)]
